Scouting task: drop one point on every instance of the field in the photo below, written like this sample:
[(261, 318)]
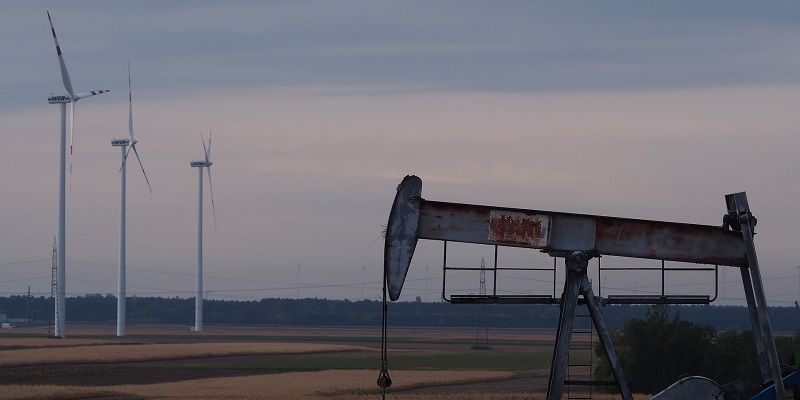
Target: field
[(224, 362)]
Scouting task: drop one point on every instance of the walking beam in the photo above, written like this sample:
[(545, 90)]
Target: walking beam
[(413, 218)]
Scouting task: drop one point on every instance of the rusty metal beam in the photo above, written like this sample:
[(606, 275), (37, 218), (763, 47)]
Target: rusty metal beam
[(598, 235)]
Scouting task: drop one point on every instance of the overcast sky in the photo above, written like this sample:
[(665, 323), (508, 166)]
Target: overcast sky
[(651, 110)]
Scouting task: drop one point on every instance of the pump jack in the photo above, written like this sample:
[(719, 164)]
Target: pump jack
[(577, 238)]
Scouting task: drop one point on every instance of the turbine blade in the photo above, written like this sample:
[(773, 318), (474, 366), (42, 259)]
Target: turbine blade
[(210, 185), (64, 73), (145, 173), (130, 103), (208, 157), (90, 93), (205, 149), (72, 106), (213, 206)]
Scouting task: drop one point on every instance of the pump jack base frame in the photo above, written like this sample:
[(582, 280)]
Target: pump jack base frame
[(577, 283)]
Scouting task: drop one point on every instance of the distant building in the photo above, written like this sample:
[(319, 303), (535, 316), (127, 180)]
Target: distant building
[(5, 323)]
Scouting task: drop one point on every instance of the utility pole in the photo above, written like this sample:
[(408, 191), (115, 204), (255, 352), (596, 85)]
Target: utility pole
[(29, 305), (133, 306), (798, 282), (363, 282), (298, 282), (427, 267), (54, 284), (482, 338)]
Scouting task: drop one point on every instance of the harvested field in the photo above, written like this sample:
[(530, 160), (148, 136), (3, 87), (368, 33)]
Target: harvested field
[(314, 363)]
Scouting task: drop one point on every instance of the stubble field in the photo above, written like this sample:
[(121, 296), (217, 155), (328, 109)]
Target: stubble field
[(313, 363)]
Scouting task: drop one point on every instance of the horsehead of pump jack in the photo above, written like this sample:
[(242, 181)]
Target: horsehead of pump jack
[(578, 238), (125, 145), (62, 99), (205, 163)]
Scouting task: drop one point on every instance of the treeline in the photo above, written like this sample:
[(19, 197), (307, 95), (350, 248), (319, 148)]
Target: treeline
[(98, 308), (662, 346)]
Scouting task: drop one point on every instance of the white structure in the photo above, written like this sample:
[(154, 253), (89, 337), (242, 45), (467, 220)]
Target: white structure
[(206, 163), (62, 100), (125, 145)]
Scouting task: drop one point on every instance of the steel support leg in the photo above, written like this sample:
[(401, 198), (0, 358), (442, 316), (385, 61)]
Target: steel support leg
[(605, 339), (569, 301), (761, 352), (747, 224), (761, 302)]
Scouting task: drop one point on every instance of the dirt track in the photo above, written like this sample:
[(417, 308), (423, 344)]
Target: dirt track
[(520, 383)]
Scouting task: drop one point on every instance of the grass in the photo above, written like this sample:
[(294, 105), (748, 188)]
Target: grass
[(21, 343), (147, 352), (422, 360), (352, 335)]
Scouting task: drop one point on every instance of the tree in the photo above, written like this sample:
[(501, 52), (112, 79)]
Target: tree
[(656, 350)]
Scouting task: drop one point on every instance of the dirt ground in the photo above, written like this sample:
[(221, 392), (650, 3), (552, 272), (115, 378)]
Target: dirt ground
[(330, 384)]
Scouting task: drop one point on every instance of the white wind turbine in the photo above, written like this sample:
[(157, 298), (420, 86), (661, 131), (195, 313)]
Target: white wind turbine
[(62, 100), (125, 145), (206, 163)]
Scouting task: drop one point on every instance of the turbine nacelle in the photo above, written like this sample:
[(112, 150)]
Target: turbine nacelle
[(123, 142), (59, 99), (201, 164)]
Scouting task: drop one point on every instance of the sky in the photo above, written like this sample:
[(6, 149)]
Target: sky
[(650, 110)]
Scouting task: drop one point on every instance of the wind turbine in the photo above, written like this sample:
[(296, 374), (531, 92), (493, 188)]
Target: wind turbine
[(62, 100), (125, 145), (206, 163)]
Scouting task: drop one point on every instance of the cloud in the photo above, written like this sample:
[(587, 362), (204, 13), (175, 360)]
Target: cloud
[(640, 111), (445, 46)]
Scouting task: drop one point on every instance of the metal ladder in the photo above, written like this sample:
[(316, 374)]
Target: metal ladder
[(579, 378)]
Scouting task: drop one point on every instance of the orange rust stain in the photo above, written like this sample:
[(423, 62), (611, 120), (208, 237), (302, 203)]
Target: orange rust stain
[(516, 228)]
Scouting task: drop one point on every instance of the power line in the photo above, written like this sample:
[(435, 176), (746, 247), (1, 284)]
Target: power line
[(24, 262), (182, 274), (293, 284), (25, 279)]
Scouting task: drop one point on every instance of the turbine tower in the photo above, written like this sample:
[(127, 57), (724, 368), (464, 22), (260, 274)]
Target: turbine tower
[(71, 98), (125, 145), (206, 163)]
